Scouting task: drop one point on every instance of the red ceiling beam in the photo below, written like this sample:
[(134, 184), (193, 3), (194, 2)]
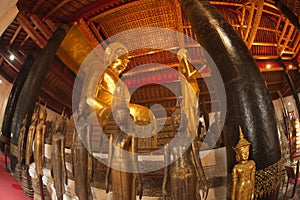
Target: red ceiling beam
[(51, 91), (17, 57), (15, 35), (90, 9), (56, 8), (37, 5), (15, 66), (39, 24), (59, 70), (36, 37), (51, 25)]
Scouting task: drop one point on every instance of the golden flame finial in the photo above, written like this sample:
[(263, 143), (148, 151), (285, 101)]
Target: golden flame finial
[(242, 142)]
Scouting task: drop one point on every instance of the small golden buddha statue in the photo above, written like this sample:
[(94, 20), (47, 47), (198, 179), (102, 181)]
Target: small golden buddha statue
[(243, 173)]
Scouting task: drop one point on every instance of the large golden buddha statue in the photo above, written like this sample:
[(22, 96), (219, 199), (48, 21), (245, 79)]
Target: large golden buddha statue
[(243, 173), (111, 90)]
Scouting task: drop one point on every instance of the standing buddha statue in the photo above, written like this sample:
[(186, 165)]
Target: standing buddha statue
[(29, 142), (21, 142), (58, 163), (81, 153), (186, 172), (122, 159), (39, 148), (243, 173)]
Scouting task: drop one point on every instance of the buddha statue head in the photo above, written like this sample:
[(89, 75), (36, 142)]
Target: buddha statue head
[(116, 57), (242, 148), (43, 113)]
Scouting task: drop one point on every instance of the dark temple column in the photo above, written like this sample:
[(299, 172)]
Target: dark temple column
[(12, 102), (32, 85), (291, 84), (248, 101)]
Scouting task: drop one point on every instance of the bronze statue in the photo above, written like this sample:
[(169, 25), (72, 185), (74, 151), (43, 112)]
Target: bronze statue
[(120, 160), (243, 173), (58, 163), (21, 141), (82, 160), (186, 172), (29, 142), (39, 148)]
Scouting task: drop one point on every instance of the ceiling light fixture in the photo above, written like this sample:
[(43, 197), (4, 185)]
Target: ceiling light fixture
[(268, 66), (290, 66), (11, 57)]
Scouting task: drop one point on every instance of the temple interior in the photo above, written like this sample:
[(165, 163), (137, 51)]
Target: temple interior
[(151, 99)]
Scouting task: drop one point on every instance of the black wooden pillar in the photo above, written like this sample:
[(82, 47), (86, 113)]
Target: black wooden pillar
[(32, 85), (12, 102), (248, 101), (291, 84)]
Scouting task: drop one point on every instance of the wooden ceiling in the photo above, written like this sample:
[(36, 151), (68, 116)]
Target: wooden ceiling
[(268, 34)]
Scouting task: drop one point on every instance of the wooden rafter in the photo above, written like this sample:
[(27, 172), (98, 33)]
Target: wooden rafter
[(1, 60), (282, 34), (249, 22), (51, 91), (95, 31), (226, 3), (14, 36), (37, 5), (24, 41), (17, 57), (287, 39), (36, 37), (91, 8), (56, 8), (242, 28), (296, 43), (297, 50), (51, 25), (40, 25), (8, 61), (270, 44), (254, 28), (90, 37), (179, 25)]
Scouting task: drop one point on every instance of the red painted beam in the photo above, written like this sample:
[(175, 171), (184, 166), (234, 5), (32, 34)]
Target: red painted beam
[(39, 24), (36, 37), (90, 9)]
